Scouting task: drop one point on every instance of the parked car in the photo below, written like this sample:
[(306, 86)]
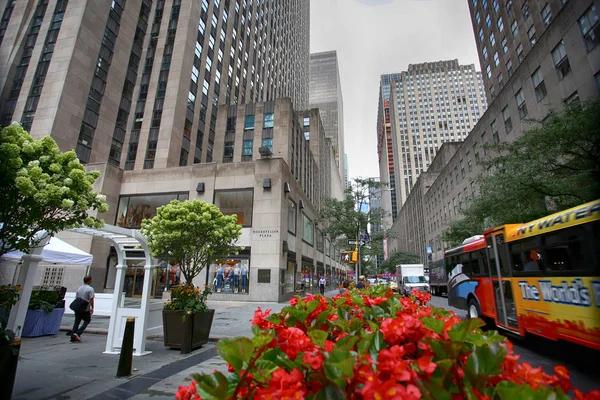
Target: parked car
[(394, 285)]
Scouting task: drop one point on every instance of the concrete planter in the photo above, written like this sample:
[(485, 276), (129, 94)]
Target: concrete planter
[(40, 323), (175, 326), (9, 357)]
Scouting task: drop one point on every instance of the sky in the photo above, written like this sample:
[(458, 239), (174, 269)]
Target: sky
[(374, 37)]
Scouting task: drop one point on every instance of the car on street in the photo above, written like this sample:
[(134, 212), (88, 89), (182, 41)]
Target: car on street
[(394, 285)]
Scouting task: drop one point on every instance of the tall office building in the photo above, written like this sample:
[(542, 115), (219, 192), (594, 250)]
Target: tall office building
[(430, 104), (536, 56), (326, 95), (139, 82)]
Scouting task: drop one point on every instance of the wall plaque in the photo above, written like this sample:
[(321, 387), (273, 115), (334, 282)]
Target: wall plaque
[(264, 276)]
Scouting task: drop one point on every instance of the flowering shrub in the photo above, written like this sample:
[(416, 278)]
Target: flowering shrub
[(372, 344), (9, 295), (188, 298)]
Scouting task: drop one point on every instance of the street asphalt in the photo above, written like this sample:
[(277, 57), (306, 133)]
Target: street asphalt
[(51, 367)]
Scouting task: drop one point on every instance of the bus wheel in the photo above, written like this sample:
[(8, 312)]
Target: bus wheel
[(473, 309)]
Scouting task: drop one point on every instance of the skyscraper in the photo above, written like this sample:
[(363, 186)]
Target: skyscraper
[(430, 104), (536, 56), (326, 95), (139, 82)]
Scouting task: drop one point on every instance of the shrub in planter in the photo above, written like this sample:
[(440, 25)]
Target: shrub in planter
[(44, 314), (372, 344)]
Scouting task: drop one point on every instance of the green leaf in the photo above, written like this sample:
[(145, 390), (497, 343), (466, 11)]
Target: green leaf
[(437, 392), (298, 314), (311, 306), (377, 312), (364, 345), (330, 392), (236, 351), (277, 356), (378, 341), (459, 332), (318, 337), (478, 339), (436, 325), (338, 365), (213, 386), (507, 390), (346, 343), (486, 359), (267, 367), (440, 312)]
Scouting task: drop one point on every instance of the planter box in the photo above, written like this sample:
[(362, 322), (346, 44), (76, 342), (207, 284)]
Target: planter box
[(174, 328), (9, 357), (40, 323)]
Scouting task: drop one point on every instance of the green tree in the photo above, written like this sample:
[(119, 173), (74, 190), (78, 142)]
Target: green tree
[(553, 166), (399, 257), (345, 219), (192, 232), (43, 189)]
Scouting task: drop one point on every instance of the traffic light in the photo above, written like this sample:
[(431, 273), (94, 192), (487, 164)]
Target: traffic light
[(354, 256), (346, 257)]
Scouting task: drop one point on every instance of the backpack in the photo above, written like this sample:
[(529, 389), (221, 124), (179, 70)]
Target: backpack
[(79, 305), (360, 285)]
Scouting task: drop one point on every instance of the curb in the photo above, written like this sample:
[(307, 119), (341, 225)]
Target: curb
[(102, 331)]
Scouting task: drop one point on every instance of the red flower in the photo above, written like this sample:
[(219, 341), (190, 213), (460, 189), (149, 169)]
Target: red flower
[(260, 319), (426, 366), (283, 386), (315, 360), (187, 392), (294, 301), (293, 341)]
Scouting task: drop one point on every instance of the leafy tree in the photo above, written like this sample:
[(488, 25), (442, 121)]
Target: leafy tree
[(344, 219), (551, 167), (42, 189), (191, 232), (399, 257)]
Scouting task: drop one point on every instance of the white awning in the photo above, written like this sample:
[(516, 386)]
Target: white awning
[(59, 252)]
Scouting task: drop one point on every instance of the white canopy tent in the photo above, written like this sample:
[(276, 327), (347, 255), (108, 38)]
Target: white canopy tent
[(59, 252)]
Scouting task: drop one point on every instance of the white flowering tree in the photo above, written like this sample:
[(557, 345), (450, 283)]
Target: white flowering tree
[(192, 232), (42, 189)]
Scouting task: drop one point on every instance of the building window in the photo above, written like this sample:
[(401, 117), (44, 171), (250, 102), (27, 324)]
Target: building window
[(308, 230), (492, 92), (133, 209), (247, 148), (238, 202), (590, 29), (520, 98), (488, 71), (520, 52), (507, 120), (485, 53), (525, 9), (481, 36), (496, 59), (488, 20), (478, 17), (509, 8), (268, 121), (573, 101), (500, 80), (509, 68), (291, 217), (500, 24), (492, 39), (495, 5), (561, 61), (231, 124), (504, 45), (514, 28), (531, 35), (319, 241), (538, 84), (268, 143), (249, 122), (547, 14)]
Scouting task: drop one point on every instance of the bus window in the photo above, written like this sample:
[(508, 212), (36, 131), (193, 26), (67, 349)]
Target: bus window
[(525, 256), (466, 262), (503, 255), (475, 263), (483, 262), (492, 256)]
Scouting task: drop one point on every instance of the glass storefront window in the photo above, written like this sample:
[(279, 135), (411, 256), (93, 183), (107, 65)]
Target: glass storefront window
[(133, 209), (290, 277), (230, 276), (308, 231), (327, 247), (238, 202), (319, 241)]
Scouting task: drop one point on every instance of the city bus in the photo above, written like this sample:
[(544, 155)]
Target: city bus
[(541, 277), (463, 263)]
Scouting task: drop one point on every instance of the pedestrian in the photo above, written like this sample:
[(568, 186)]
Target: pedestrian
[(86, 293), (344, 287), (322, 283), (361, 282)]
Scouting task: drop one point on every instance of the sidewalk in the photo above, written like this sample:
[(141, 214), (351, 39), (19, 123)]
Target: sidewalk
[(51, 367)]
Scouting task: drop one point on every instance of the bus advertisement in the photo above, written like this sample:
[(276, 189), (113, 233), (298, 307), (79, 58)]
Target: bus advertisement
[(540, 278)]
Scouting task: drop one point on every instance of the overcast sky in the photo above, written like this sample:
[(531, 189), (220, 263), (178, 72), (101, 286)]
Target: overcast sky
[(374, 37)]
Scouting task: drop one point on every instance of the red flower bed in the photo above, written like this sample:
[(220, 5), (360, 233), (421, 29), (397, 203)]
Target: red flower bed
[(374, 345)]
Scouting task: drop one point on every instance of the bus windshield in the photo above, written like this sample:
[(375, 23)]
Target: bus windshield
[(414, 279)]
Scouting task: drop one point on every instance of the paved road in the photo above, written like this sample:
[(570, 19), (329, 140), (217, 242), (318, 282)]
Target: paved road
[(582, 363)]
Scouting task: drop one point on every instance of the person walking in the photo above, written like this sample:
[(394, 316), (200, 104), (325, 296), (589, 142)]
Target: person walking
[(361, 282), (86, 293), (322, 283)]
